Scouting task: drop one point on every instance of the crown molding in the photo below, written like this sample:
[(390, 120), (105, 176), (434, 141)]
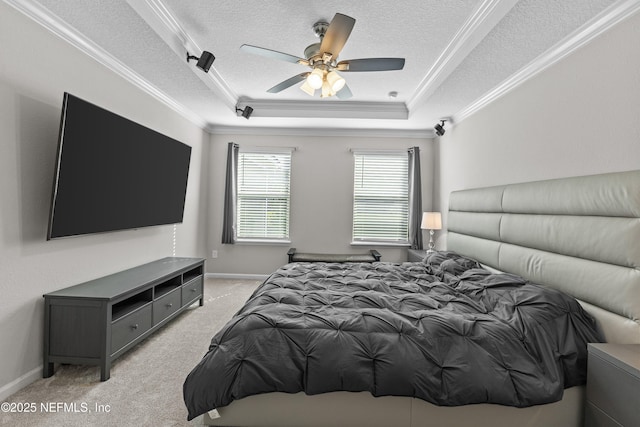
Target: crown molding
[(62, 29), (472, 32), (166, 25), (330, 109), (324, 132), (602, 22)]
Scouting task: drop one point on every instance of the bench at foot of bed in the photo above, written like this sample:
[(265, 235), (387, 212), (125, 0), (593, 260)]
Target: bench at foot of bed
[(371, 256)]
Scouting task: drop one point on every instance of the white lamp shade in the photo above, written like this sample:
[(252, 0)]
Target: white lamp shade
[(315, 78), (326, 90), (306, 87), (431, 221), (336, 81)]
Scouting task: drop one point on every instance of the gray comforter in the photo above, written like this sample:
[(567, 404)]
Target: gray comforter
[(446, 331)]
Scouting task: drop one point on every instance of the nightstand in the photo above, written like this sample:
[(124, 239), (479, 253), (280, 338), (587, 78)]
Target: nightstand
[(613, 385), (415, 255)]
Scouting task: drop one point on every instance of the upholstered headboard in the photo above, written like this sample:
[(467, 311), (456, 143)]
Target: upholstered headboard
[(579, 235)]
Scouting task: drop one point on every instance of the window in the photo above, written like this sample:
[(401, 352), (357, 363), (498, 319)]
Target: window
[(381, 197), (263, 196)]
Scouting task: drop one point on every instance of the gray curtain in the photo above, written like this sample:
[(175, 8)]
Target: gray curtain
[(229, 216), (415, 199)]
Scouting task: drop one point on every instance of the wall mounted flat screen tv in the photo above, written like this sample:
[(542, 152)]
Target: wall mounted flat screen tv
[(114, 174)]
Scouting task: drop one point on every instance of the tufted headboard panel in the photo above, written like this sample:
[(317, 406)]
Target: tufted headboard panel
[(580, 235)]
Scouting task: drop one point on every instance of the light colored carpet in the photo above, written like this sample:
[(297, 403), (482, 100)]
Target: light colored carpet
[(145, 387)]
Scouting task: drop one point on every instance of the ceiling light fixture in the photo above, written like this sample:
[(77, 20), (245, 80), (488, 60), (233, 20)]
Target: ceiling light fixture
[(204, 62), (327, 90), (306, 87), (322, 58), (335, 80), (316, 78), (330, 82), (439, 128)]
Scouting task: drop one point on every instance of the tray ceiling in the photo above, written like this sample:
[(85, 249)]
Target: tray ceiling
[(459, 55)]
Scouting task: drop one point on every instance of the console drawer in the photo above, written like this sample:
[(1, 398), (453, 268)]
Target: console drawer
[(130, 327), (166, 305), (192, 290)]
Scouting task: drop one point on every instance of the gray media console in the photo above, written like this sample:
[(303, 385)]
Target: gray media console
[(95, 322)]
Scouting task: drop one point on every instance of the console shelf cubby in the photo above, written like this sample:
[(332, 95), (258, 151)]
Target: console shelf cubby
[(131, 304), (95, 322)]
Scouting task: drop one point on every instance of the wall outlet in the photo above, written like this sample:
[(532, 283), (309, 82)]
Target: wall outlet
[(214, 254)]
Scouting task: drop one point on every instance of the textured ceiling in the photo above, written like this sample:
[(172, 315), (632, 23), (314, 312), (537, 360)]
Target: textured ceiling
[(456, 52)]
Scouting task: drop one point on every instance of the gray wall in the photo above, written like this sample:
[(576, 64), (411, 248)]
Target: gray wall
[(35, 69), (579, 117), (321, 198)]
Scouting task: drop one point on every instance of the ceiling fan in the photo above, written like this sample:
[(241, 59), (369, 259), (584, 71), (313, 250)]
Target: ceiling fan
[(322, 58)]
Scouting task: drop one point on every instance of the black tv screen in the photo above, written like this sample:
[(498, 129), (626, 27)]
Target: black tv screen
[(114, 174)]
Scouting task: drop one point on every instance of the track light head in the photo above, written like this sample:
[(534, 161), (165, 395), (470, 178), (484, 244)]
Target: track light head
[(204, 62), (439, 128), (246, 112)]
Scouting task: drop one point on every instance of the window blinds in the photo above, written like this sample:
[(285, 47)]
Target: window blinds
[(381, 197), (263, 196)]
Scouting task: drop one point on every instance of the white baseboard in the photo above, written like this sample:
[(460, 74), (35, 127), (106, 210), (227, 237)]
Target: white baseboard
[(237, 276), (20, 383)]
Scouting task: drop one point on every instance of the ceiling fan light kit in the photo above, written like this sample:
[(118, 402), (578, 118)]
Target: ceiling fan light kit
[(327, 91), (335, 80), (322, 59), (316, 78), (307, 88)]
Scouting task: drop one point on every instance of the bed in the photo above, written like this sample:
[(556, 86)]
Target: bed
[(575, 235)]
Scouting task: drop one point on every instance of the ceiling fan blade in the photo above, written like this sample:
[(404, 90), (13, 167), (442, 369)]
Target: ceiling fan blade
[(288, 83), (337, 34), (344, 93), (273, 54), (371, 64)]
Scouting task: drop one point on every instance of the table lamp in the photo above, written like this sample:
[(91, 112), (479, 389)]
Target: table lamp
[(431, 221)]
